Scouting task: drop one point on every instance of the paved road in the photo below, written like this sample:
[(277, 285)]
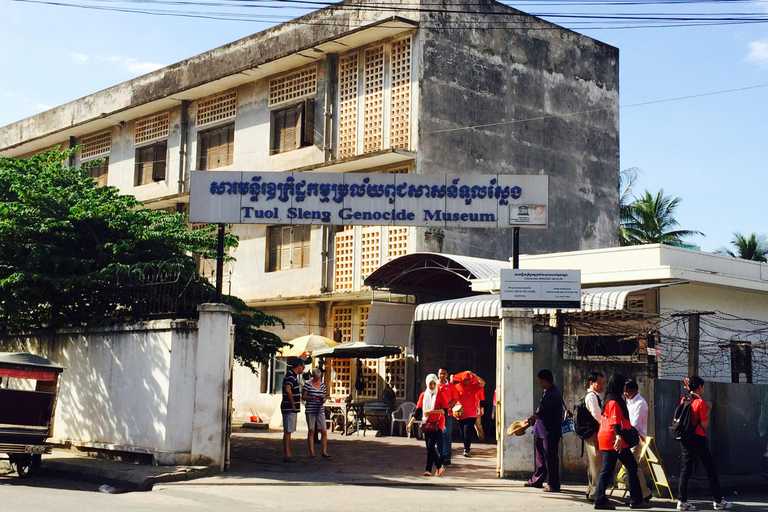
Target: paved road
[(57, 495)]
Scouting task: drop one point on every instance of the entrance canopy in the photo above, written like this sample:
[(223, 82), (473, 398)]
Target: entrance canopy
[(611, 300), (434, 273)]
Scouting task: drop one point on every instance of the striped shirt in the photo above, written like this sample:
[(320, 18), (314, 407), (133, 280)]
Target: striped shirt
[(315, 397), (290, 379)]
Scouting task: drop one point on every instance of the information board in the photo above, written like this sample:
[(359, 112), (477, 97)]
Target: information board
[(555, 289)]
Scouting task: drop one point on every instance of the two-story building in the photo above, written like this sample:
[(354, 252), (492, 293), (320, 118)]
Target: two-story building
[(462, 87)]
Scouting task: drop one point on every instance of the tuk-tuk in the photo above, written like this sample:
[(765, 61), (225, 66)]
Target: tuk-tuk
[(29, 386)]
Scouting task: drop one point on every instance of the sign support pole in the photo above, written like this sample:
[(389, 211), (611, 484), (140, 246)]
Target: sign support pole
[(516, 247), (219, 262)]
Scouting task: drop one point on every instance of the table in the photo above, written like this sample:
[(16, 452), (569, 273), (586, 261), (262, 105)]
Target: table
[(354, 415), (381, 413)]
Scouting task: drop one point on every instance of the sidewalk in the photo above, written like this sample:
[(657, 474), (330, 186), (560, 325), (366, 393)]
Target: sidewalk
[(256, 460)]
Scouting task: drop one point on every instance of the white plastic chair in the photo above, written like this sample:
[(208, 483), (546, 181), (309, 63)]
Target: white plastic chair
[(402, 415)]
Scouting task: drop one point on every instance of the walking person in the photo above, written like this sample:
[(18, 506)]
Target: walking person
[(431, 407), (468, 385), (450, 396), (594, 405), (615, 421), (547, 430), (291, 404), (638, 418), (695, 447), (314, 394)]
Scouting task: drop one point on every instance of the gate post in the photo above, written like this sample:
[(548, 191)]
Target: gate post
[(515, 386), (213, 370)]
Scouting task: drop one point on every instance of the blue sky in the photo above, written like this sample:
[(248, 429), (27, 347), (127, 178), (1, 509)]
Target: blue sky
[(711, 150)]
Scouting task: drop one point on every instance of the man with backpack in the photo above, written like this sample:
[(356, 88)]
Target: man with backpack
[(689, 428), (587, 416)]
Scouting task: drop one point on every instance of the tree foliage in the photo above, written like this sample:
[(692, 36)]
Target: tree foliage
[(753, 247), (74, 254), (650, 219)]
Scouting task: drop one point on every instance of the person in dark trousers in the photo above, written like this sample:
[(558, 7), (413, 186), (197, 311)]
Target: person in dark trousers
[(468, 384), (432, 408), (547, 421), (695, 447), (615, 419)]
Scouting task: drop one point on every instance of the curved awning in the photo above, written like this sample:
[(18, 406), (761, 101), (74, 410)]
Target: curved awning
[(437, 273), (489, 305)]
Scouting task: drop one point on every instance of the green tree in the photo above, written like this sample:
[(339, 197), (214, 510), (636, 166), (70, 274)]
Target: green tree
[(753, 248), (650, 220), (74, 254), (627, 180)]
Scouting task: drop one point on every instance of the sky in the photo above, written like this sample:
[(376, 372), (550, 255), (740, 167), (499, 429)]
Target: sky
[(694, 99)]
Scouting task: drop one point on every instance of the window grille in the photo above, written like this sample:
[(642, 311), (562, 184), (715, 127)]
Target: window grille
[(154, 127), (217, 108), (293, 86), (397, 242), (341, 376), (374, 99), (348, 72), (344, 255), (370, 251), (363, 316), (400, 123), (395, 374), (370, 368), (96, 145), (342, 323)]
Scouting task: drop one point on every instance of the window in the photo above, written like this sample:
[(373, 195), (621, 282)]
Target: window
[(96, 145), (150, 163), (288, 247), (217, 108), (293, 86), (741, 362), (99, 173), (150, 128), (216, 147), (293, 127)]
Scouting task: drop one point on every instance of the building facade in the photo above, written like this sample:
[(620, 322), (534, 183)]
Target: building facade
[(467, 87)]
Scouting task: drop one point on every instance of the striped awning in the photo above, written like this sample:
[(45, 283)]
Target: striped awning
[(489, 305)]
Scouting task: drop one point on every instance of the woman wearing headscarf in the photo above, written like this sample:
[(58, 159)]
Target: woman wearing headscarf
[(469, 385), (432, 408), (615, 419)]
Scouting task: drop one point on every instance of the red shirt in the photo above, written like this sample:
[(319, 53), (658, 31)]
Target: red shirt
[(468, 394), (612, 415), (440, 403), (698, 413), (450, 393)]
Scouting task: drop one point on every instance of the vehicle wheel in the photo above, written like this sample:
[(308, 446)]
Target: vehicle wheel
[(26, 465)]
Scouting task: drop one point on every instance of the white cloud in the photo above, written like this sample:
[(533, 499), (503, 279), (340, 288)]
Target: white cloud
[(132, 65), (79, 58), (758, 53), (43, 107)]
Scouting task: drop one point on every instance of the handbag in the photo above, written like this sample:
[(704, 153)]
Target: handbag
[(567, 426), (429, 426), (631, 436), (458, 411)]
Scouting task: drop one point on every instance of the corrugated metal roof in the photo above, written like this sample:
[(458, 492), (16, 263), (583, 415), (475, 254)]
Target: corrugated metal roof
[(489, 305)]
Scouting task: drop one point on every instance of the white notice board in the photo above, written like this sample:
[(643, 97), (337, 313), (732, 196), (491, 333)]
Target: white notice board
[(554, 289)]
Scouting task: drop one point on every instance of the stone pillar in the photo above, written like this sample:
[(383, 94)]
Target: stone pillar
[(516, 457), (213, 370)]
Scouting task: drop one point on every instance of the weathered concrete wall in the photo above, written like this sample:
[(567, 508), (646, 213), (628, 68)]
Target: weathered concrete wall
[(129, 388), (533, 99)]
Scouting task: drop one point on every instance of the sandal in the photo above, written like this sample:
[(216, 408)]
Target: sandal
[(440, 471), (427, 473), (312, 456), (326, 456)]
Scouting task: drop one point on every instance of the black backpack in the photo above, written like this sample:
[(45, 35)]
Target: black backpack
[(584, 423), (682, 426)]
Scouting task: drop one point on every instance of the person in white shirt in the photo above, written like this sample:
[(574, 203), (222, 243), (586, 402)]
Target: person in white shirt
[(638, 417), (594, 455)]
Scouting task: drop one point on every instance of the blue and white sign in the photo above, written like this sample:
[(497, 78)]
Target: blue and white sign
[(555, 289), (372, 199)]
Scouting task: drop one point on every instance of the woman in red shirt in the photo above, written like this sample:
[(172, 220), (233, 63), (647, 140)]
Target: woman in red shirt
[(615, 419), (432, 408), (695, 447)]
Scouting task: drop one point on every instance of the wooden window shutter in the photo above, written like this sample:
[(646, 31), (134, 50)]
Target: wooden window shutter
[(159, 157), (288, 133), (230, 135), (308, 130), (275, 234), (305, 248), (285, 247)]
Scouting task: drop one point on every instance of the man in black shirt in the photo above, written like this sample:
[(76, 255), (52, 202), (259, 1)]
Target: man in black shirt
[(291, 404), (547, 428)]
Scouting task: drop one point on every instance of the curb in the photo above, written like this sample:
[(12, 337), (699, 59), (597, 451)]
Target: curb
[(128, 479)]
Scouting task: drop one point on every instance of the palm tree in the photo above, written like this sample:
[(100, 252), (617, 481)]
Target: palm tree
[(650, 220), (754, 248)]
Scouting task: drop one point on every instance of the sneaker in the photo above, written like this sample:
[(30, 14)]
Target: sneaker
[(466, 453), (604, 506), (641, 504), (722, 505), (684, 505)]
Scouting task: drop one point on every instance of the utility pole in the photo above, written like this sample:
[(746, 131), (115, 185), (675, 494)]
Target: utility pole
[(694, 329)]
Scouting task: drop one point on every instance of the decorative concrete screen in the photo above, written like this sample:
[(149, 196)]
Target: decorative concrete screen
[(453, 200)]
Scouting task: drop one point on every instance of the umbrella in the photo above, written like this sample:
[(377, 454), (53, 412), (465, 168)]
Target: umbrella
[(357, 349), (304, 344)]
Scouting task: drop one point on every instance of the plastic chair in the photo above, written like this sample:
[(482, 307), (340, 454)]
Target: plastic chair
[(417, 425), (402, 415)]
